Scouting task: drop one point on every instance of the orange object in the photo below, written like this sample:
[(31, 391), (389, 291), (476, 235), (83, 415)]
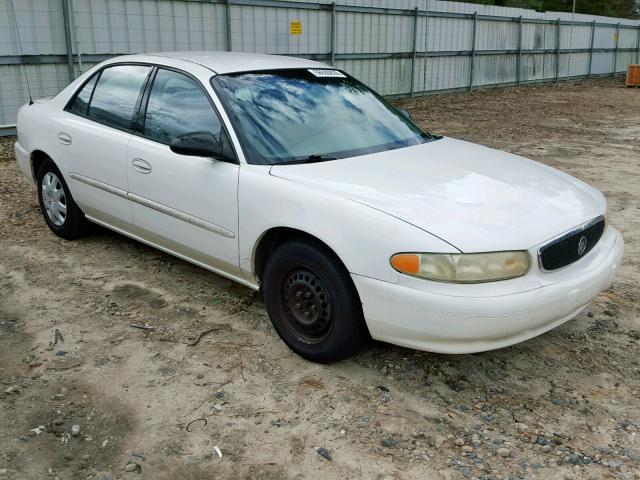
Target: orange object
[(633, 76), (406, 262)]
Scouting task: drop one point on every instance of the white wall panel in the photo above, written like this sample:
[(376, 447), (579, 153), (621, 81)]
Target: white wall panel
[(40, 24), (449, 34), (266, 30), (497, 35), (538, 36), (623, 59), (44, 80), (576, 36), (604, 37), (628, 38), (126, 26), (494, 69), (443, 73), (576, 64), (387, 76), (602, 62), (538, 67)]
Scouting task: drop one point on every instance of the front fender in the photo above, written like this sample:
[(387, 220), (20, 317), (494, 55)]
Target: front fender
[(363, 238)]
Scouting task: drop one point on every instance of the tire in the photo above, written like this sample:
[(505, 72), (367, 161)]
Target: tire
[(60, 211), (313, 303)]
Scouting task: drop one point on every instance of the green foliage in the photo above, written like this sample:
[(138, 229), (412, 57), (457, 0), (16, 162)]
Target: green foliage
[(610, 8)]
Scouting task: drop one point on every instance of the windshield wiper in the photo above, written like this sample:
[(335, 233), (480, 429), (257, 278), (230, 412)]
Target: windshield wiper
[(315, 158)]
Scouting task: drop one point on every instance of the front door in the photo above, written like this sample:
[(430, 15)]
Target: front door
[(185, 204)]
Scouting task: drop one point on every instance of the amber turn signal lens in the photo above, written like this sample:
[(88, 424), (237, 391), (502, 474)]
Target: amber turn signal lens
[(406, 263)]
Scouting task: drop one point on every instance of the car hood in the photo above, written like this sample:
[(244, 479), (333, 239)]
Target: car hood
[(476, 198)]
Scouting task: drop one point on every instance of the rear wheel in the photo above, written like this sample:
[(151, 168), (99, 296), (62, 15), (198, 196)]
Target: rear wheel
[(312, 302), (60, 212)]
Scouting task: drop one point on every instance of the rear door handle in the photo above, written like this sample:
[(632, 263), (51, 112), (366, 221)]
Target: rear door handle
[(64, 138), (141, 166)]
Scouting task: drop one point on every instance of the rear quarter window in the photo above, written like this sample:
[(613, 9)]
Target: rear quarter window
[(80, 104)]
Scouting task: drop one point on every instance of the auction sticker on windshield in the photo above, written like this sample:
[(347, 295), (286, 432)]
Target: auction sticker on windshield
[(326, 73)]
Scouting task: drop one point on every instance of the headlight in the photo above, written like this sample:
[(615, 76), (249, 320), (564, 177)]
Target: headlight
[(463, 267)]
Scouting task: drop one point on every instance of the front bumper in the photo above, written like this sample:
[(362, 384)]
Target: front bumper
[(454, 318)]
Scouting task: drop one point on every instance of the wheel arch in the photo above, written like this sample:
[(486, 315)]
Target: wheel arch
[(276, 236), (37, 158)]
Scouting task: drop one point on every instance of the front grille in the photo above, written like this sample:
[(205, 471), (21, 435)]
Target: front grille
[(566, 250)]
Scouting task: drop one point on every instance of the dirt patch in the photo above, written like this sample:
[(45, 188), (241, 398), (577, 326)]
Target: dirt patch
[(43, 397), (563, 405)]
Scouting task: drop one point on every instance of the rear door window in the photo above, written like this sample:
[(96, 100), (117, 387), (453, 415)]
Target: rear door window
[(116, 95)]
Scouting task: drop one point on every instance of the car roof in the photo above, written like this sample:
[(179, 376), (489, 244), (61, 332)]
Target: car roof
[(229, 62)]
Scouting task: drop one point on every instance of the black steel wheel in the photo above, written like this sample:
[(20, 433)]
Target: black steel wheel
[(307, 304), (312, 302)]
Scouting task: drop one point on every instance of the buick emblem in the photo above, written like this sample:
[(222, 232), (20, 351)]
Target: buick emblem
[(582, 245)]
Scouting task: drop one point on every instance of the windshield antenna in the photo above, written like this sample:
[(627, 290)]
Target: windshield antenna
[(24, 68)]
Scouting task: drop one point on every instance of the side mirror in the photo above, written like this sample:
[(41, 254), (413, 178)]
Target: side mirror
[(199, 144), (405, 113)]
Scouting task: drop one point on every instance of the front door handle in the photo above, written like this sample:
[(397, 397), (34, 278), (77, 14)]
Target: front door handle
[(64, 138), (141, 166)]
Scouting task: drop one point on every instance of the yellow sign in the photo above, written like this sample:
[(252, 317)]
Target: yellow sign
[(295, 27)]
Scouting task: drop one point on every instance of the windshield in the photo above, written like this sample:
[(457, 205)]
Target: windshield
[(286, 116)]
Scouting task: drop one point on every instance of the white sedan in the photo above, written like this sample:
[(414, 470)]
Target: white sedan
[(294, 178)]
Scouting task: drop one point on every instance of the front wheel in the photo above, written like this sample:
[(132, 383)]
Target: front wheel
[(312, 302), (61, 213)]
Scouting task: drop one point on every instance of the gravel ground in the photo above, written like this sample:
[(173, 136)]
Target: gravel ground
[(107, 401)]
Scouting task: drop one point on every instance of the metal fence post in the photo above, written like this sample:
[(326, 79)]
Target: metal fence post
[(593, 36), (519, 59), (571, 42), (413, 54), (228, 22), (426, 48), (333, 33), (615, 52), (558, 52), (67, 39), (473, 50), (638, 46)]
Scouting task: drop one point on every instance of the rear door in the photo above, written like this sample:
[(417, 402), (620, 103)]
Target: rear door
[(185, 204), (91, 138)]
